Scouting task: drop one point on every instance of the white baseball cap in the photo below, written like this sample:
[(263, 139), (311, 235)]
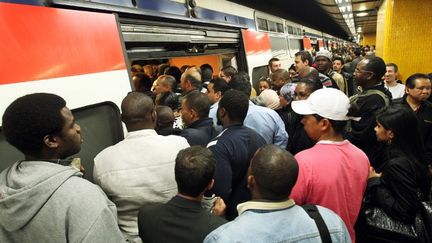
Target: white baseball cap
[(329, 103)]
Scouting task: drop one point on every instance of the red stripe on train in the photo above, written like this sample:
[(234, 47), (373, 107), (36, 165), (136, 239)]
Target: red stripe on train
[(41, 43)]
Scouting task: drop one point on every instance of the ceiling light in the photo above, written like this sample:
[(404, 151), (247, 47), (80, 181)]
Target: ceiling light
[(362, 14), (362, 8)]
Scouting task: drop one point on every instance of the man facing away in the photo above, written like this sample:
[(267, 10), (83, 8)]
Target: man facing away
[(265, 121), (139, 169), (183, 219), (270, 216), (333, 173), (233, 148), (43, 198)]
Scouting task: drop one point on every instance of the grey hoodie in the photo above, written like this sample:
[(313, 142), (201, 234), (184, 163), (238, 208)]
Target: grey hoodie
[(47, 202)]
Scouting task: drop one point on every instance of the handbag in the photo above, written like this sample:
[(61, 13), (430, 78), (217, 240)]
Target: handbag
[(426, 214), (378, 226)]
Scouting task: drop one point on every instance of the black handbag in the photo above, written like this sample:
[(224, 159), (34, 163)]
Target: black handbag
[(378, 226), (426, 214)]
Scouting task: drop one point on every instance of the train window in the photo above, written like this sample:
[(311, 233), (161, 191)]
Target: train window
[(290, 30), (257, 73), (278, 46), (262, 24), (272, 26), (295, 45), (280, 28)]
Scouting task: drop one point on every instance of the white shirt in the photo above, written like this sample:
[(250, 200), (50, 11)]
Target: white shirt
[(397, 91), (136, 171)]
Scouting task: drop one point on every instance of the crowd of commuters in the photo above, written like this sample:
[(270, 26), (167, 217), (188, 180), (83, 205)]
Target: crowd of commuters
[(208, 157)]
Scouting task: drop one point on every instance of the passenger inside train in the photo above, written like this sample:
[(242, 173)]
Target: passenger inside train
[(224, 139)]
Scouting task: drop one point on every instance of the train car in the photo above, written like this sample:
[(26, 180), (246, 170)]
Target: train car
[(177, 32)]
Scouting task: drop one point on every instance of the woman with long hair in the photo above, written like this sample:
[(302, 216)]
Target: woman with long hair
[(403, 180)]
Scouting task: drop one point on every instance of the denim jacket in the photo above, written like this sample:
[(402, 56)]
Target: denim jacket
[(266, 221)]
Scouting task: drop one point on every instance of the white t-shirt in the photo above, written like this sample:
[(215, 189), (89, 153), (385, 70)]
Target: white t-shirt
[(397, 91)]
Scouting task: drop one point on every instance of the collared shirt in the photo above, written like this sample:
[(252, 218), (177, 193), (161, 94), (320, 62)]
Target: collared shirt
[(136, 171), (267, 123), (333, 175), (213, 115), (267, 221)]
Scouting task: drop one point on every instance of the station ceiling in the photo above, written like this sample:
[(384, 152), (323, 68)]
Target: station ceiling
[(324, 15)]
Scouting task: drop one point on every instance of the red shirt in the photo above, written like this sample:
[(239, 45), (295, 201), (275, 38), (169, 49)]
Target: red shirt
[(333, 175)]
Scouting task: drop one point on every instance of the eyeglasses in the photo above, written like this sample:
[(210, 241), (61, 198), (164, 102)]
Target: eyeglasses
[(423, 87), (362, 71)]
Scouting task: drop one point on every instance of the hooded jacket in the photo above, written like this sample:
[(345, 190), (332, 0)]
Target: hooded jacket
[(47, 202)]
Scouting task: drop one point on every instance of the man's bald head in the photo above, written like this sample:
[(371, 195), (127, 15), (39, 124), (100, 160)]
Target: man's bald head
[(309, 72), (137, 111), (165, 116), (275, 172), (190, 79)]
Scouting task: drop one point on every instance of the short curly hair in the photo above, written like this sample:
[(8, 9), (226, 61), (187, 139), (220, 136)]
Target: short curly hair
[(29, 118)]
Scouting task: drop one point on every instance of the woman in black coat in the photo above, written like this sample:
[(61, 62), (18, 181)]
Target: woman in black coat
[(404, 180)]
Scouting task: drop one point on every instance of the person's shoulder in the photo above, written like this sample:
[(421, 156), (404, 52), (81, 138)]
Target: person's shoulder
[(85, 187), (222, 233), (150, 209), (331, 219), (175, 139), (337, 75), (257, 138), (427, 104), (106, 152), (82, 195), (356, 150), (307, 153), (374, 99)]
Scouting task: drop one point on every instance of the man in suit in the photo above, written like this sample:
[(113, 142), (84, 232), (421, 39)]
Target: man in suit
[(183, 219)]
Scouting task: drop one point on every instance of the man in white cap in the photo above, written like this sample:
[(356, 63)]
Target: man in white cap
[(324, 66), (333, 173)]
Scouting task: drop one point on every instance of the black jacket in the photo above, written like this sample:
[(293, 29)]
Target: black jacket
[(298, 138), (424, 116), (179, 220), (362, 134), (200, 132), (233, 150), (402, 184)]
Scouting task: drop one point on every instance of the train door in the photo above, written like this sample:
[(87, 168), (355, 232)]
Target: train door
[(178, 44)]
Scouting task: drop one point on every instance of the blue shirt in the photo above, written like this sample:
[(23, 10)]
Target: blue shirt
[(266, 221), (267, 123)]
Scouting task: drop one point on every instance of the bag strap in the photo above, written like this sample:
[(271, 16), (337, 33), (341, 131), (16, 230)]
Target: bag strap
[(368, 92), (313, 212)]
